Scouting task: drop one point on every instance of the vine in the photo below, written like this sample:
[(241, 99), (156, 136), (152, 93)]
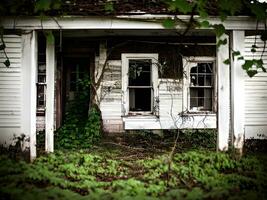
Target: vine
[(224, 9), (80, 129)]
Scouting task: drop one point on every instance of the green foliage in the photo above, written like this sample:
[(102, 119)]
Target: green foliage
[(169, 23), (199, 138), (80, 129), (182, 6), (230, 7), (252, 66), (219, 29), (47, 5), (50, 39), (95, 175), (109, 7)]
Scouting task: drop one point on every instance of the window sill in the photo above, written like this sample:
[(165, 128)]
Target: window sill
[(140, 115), (199, 113)]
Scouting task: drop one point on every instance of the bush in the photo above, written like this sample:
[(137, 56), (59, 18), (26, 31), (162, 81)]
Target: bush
[(80, 129)]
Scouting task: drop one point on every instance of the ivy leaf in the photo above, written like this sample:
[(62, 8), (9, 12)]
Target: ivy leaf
[(227, 62), (181, 5), (252, 73), (259, 63), (263, 69), (49, 37), (169, 23), (219, 29), (2, 46), (7, 63), (235, 53), (202, 8), (253, 50), (204, 24), (240, 58), (223, 16), (247, 65), (203, 13), (109, 7), (221, 42)]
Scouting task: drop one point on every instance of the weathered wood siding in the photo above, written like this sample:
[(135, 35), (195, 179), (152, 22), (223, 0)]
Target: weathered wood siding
[(111, 99), (255, 92), (10, 89), (170, 105), (170, 101)]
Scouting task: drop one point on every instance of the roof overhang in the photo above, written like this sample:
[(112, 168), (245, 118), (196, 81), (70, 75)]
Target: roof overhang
[(130, 22)]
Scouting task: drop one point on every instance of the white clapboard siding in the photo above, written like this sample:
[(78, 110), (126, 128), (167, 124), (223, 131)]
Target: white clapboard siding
[(255, 92), (170, 98), (111, 91), (10, 89)]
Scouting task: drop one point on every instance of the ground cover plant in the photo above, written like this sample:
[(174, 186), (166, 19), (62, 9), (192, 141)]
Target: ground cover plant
[(137, 166)]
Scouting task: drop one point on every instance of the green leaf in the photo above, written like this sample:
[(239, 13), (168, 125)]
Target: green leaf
[(223, 16), (205, 24), (247, 65), (253, 50), (181, 5), (219, 29), (252, 73), (50, 39), (109, 7), (259, 63), (203, 13), (227, 62), (7, 63), (221, 42), (202, 8), (235, 53), (169, 23), (240, 58)]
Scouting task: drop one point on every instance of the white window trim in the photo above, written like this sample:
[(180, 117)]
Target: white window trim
[(125, 69), (187, 63)]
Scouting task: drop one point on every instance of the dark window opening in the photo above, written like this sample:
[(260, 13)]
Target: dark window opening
[(140, 85), (201, 87), (41, 77)]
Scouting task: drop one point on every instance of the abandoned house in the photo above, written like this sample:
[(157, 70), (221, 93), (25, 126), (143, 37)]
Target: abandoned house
[(153, 78)]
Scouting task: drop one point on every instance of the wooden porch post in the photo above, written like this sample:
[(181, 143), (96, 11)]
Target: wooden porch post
[(29, 76), (223, 116), (237, 91), (50, 97)]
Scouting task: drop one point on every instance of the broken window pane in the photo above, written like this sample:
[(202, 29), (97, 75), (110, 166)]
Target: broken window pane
[(201, 87), (140, 72)]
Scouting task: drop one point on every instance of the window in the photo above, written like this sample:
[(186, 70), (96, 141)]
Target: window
[(41, 86), (41, 76), (199, 84), (139, 81)]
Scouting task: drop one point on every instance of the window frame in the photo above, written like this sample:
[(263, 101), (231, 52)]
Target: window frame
[(188, 63), (125, 57)]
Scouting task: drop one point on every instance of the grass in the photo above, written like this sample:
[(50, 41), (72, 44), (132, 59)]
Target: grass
[(135, 168)]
